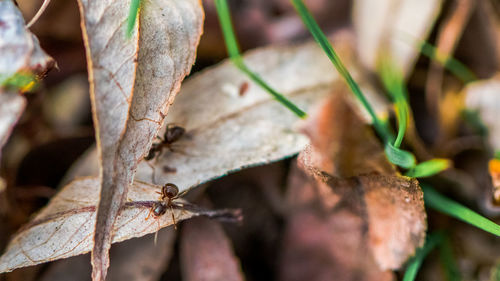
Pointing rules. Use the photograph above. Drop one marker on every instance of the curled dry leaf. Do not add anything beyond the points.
(353, 174)
(391, 27)
(65, 227)
(325, 241)
(206, 253)
(20, 51)
(132, 83)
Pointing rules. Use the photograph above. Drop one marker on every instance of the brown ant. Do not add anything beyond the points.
(168, 193)
(172, 134)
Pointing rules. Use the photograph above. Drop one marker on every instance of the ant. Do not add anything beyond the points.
(172, 134)
(168, 193)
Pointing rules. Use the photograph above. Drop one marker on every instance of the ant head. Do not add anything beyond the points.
(173, 133)
(170, 191)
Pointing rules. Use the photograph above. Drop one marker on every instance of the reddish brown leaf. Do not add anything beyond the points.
(206, 253)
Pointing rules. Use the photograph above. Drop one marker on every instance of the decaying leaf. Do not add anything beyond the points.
(20, 51)
(225, 131)
(206, 253)
(354, 175)
(324, 240)
(483, 97)
(133, 82)
(20, 54)
(65, 227)
(11, 108)
(133, 260)
(392, 26)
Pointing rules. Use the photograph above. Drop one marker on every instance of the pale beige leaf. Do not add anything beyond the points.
(226, 132)
(65, 227)
(11, 108)
(391, 27)
(207, 254)
(19, 48)
(484, 96)
(133, 82)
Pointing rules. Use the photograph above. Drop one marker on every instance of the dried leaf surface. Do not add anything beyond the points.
(483, 97)
(11, 108)
(65, 227)
(19, 48)
(133, 260)
(226, 131)
(325, 240)
(390, 27)
(133, 82)
(354, 175)
(206, 253)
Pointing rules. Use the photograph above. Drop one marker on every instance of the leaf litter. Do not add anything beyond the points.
(133, 82)
(65, 227)
(353, 181)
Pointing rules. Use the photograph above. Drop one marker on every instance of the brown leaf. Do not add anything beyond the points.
(65, 227)
(353, 174)
(133, 82)
(325, 240)
(206, 253)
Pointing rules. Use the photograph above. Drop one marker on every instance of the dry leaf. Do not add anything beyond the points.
(65, 227)
(19, 49)
(206, 253)
(391, 26)
(133, 82)
(226, 132)
(483, 97)
(322, 242)
(11, 108)
(354, 175)
(133, 260)
(20, 52)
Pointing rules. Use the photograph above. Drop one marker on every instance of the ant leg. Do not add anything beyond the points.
(173, 217)
(156, 233)
(149, 214)
(153, 177)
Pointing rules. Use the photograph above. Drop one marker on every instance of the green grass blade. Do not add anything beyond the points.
(447, 206)
(234, 53)
(448, 261)
(132, 16)
(394, 83)
(453, 65)
(322, 40)
(399, 157)
(415, 262)
(429, 168)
